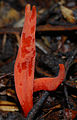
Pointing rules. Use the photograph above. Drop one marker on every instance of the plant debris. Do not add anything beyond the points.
(56, 43)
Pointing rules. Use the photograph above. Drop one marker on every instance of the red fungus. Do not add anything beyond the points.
(49, 84)
(25, 63)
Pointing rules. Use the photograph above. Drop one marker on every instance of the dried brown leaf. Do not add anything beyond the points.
(8, 106)
(8, 15)
(68, 14)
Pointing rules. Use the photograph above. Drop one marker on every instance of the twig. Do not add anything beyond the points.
(68, 103)
(11, 30)
(5, 75)
(37, 106)
(51, 109)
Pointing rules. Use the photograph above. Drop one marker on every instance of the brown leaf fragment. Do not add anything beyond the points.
(11, 93)
(8, 15)
(68, 14)
(8, 106)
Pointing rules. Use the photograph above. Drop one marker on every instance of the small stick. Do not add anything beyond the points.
(69, 62)
(4, 41)
(67, 100)
(37, 106)
(10, 30)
